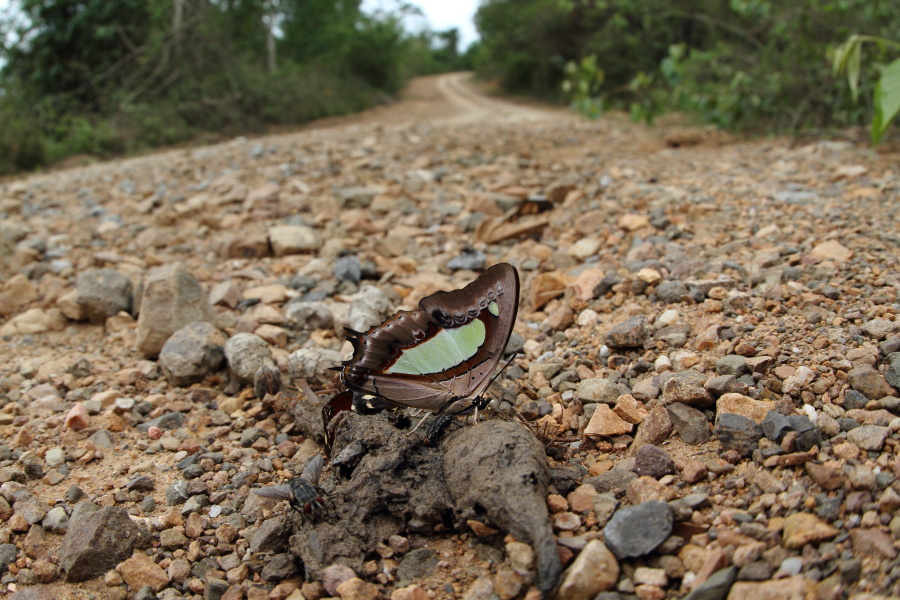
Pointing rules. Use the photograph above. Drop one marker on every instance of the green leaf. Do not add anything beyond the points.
(887, 100)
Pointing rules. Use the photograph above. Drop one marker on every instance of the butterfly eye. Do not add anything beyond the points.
(459, 317)
(482, 303)
(418, 335)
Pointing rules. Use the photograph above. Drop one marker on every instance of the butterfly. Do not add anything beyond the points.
(439, 357)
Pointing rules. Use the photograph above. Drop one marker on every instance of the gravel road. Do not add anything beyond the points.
(708, 351)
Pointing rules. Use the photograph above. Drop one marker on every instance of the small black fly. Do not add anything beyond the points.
(301, 492)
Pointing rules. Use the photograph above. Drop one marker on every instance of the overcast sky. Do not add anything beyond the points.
(441, 14)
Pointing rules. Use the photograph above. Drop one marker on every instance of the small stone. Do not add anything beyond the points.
(653, 461)
(873, 542)
(103, 293)
(655, 429)
(831, 250)
(738, 404)
(172, 299)
(739, 433)
(606, 423)
(828, 478)
(638, 530)
(293, 239)
(357, 589)
(521, 557)
(869, 437)
(804, 528)
(411, 592)
(192, 353)
(630, 334)
(732, 364)
(597, 390)
(96, 540)
(687, 387)
(690, 423)
(140, 570)
(867, 380)
(693, 471)
(593, 571)
(77, 418)
(715, 587)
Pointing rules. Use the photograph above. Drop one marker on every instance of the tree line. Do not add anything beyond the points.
(106, 77)
(759, 65)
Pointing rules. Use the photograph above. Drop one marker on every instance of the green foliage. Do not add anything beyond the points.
(848, 58)
(746, 64)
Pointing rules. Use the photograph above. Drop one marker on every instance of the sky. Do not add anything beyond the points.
(440, 15)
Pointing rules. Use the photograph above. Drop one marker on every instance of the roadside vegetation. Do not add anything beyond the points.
(751, 65)
(111, 77)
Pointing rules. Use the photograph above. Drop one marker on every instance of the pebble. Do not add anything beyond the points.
(736, 432)
(869, 437)
(638, 530)
(690, 423)
(594, 570)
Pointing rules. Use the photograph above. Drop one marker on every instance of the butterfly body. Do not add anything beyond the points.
(439, 357)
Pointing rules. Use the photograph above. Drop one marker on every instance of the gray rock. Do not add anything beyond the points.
(736, 432)
(616, 479)
(270, 537)
(250, 360)
(775, 426)
(416, 565)
(141, 483)
(638, 530)
(690, 423)
(733, 364)
(722, 384)
(597, 390)
(308, 316)
(215, 588)
(687, 387)
(879, 328)
(807, 434)
(890, 345)
(103, 293)
(867, 380)
(609, 280)
(869, 437)
(56, 520)
(892, 373)
(654, 429)
(653, 461)
(192, 353)
(172, 298)
(279, 567)
(630, 334)
(97, 540)
(716, 587)
(348, 268)
(29, 507)
(469, 258)
(854, 399)
(671, 291)
(171, 420)
(7, 555)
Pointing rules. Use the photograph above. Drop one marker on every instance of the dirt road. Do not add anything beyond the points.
(707, 333)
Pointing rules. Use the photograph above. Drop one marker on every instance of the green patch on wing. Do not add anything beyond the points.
(447, 349)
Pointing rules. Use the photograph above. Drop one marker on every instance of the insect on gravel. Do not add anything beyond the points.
(301, 492)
